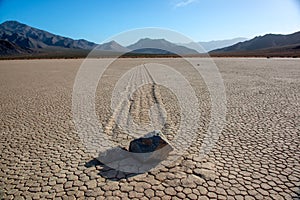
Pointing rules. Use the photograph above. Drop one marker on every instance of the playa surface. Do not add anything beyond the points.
(256, 156)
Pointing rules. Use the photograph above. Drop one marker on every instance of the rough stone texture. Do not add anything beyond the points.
(149, 148)
(256, 156)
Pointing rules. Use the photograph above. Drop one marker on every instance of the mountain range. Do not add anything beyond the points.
(29, 37)
(203, 47)
(159, 46)
(21, 40)
(269, 45)
(9, 48)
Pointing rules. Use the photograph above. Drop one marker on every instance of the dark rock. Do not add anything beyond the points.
(146, 145)
(144, 154)
(151, 147)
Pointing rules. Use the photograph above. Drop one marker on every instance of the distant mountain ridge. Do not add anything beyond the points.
(159, 46)
(20, 39)
(33, 38)
(203, 47)
(23, 38)
(216, 44)
(268, 42)
(112, 46)
(7, 48)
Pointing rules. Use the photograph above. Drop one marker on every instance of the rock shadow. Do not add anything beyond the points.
(108, 172)
(144, 154)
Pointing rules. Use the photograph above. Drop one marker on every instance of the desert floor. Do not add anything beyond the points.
(256, 156)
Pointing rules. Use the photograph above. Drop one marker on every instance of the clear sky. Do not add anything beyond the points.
(201, 20)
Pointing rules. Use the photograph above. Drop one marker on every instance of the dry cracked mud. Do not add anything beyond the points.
(256, 156)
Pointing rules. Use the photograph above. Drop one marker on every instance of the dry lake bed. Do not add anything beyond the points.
(256, 155)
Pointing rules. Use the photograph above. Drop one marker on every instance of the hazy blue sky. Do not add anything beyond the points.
(201, 20)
